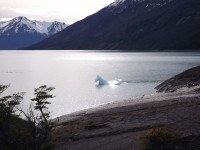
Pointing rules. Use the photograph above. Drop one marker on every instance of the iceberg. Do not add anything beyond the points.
(100, 81)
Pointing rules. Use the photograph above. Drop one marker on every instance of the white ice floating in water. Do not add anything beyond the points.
(100, 81)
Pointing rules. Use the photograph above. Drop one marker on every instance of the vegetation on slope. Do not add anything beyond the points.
(33, 133)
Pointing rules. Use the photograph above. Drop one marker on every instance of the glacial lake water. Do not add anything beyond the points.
(73, 73)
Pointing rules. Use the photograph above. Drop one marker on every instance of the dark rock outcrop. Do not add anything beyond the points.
(188, 78)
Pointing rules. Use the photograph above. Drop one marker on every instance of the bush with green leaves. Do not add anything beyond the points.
(32, 133)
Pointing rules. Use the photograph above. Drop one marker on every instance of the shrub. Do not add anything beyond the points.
(159, 139)
(32, 133)
(9, 120)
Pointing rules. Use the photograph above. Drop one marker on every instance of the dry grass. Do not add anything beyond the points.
(159, 139)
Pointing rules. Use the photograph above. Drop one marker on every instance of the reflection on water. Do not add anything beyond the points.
(74, 73)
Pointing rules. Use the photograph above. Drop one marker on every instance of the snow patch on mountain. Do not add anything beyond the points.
(119, 2)
(155, 3)
(3, 24)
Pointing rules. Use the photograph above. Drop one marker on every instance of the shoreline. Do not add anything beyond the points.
(108, 51)
(93, 128)
(135, 101)
(121, 125)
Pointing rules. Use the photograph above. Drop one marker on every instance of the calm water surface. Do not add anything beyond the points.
(73, 75)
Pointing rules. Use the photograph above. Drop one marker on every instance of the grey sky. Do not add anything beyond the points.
(68, 11)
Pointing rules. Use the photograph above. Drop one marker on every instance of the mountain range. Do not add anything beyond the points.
(20, 32)
(133, 25)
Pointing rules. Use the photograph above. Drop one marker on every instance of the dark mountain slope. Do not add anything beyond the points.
(134, 25)
(14, 41)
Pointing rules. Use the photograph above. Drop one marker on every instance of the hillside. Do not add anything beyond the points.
(133, 25)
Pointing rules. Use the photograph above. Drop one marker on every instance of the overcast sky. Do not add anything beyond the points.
(67, 11)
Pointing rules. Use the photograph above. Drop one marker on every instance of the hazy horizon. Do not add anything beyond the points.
(68, 11)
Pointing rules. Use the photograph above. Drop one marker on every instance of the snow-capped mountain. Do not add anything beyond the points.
(24, 25)
(55, 27)
(133, 25)
(21, 31)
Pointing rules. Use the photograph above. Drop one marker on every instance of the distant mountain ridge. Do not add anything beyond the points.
(21, 32)
(133, 25)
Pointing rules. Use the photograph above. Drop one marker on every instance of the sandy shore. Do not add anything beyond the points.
(120, 125)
